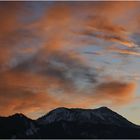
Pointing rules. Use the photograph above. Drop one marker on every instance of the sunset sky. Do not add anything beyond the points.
(71, 54)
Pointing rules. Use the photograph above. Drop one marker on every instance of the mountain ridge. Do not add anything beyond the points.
(97, 111)
(70, 123)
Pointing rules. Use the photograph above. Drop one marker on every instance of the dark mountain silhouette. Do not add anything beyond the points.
(70, 123)
(15, 125)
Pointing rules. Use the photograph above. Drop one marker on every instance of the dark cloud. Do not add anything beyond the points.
(65, 67)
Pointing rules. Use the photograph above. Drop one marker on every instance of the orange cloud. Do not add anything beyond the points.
(8, 14)
(117, 92)
(124, 51)
(111, 37)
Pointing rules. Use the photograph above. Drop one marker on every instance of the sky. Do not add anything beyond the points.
(70, 54)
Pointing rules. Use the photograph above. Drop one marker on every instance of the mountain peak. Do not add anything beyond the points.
(18, 115)
(103, 108)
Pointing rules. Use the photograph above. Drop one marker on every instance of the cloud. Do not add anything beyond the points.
(32, 93)
(117, 92)
(22, 100)
(40, 68)
(125, 52)
(8, 21)
(112, 38)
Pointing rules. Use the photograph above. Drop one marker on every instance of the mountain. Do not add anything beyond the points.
(70, 123)
(15, 125)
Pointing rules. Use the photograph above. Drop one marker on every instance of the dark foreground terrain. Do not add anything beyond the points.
(70, 123)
